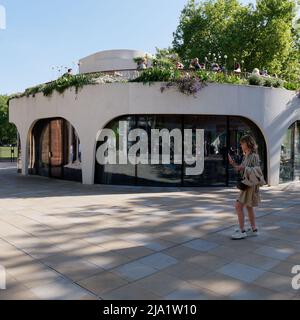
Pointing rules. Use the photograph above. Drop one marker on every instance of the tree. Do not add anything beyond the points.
(265, 36)
(208, 27)
(275, 34)
(8, 132)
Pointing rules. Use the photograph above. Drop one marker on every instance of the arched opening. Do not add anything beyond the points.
(221, 136)
(54, 150)
(290, 154)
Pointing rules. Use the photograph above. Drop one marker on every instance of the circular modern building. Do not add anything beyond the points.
(61, 135)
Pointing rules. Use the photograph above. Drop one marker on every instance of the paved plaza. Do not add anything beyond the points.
(64, 240)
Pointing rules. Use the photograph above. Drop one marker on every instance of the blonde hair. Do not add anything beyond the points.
(250, 142)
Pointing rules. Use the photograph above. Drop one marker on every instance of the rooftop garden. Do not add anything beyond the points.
(167, 67)
(188, 81)
(67, 81)
(216, 41)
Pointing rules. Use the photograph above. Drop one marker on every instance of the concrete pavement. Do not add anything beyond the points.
(63, 240)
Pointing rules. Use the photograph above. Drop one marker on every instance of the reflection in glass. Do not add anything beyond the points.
(19, 159)
(49, 150)
(161, 174)
(215, 150)
(222, 136)
(287, 156)
(297, 151)
(72, 170)
(238, 127)
(117, 174)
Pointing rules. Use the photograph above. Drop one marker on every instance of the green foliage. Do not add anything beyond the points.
(68, 81)
(33, 91)
(234, 79)
(61, 85)
(5, 152)
(265, 36)
(224, 78)
(269, 82)
(162, 63)
(256, 80)
(292, 86)
(207, 28)
(8, 132)
(190, 82)
(48, 89)
(165, 58)
(203, 75)
(157, 74)
(278, 83)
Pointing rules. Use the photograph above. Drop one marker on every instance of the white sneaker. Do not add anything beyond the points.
(251, 233)
(239, 235)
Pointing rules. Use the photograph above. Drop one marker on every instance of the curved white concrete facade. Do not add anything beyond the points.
(272, 110)
(110, 60)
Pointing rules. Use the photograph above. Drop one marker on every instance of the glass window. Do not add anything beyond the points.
(49, 150)
(160, 174)
(221, 136)
(118, 174)
(290, 154)
(238, 127)
(215, 150)
(19, 160)
(73, 169)
(287, 156)
(297, 151)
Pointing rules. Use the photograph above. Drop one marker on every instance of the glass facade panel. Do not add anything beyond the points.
(290, 154)
(287, 156)
(50, 150)
(221, 136)
(119, 174)
(19, 160)
(160, 174)
(215, 150)
(238, 127)
(297, 151)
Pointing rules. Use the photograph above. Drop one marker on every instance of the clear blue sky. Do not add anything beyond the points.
(43, 34)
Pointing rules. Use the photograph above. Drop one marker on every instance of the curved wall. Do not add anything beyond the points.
(110, 60)
(272, 110)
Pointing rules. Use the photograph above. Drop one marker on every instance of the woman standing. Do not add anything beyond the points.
(249, 197)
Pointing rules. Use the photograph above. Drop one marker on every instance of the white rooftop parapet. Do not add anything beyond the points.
(109, 61)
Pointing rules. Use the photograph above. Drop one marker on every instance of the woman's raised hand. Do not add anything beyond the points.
(231, 161)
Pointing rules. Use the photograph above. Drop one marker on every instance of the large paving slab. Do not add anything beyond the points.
(63, 240)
